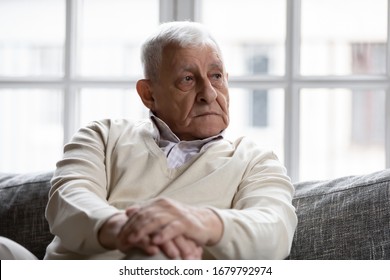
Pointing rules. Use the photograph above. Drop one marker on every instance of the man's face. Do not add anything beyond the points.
(191, 94)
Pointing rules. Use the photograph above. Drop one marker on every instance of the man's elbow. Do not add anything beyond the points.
(278, 244)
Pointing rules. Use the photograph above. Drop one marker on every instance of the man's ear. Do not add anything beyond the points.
(144, 90)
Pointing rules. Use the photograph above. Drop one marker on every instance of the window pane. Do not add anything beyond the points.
(259, 115)
(32, 37)
(31, 129)
(97, 104)
(342, 132)
(253, 40)
(349, 39)
(111, 33)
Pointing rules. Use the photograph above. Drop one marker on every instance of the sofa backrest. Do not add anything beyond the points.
(345, 218)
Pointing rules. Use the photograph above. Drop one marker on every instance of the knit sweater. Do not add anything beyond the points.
(112, 164)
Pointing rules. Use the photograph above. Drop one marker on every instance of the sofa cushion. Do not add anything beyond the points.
(23, 200)
(345, 218)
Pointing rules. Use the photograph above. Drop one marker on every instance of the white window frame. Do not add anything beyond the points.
(292, 82)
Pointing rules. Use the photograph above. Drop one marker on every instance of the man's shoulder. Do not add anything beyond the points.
(111, 129)
(121, 124)
(251, 148)
(245, 142)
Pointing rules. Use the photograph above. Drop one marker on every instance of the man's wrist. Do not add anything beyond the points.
(109, 231)
(215, 226)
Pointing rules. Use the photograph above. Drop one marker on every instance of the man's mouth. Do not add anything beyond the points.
(207, 114)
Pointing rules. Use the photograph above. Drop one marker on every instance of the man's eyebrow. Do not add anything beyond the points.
(193, 67)
(187, 67)
(216, 65)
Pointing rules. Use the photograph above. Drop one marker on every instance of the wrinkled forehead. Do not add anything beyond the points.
(176, 51)
(203, 43)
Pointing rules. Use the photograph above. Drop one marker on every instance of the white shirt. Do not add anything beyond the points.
(179, 152)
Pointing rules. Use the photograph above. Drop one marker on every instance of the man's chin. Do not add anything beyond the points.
(209, 132)
(201, 129)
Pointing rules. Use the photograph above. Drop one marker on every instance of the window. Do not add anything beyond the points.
(31, 116)
(32, 38)
(109, 35)
(330, 74)
(347, 131)
(31, 128)
(312, 89)
(63, 64)
(337, 133)
(333, 42)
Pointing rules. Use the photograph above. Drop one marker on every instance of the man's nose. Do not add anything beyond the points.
(206, 92)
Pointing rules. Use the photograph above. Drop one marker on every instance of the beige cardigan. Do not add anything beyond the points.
(110, 165)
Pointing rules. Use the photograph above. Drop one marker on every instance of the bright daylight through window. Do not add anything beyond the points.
(314, 90)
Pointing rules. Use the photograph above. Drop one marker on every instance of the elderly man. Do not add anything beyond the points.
(171, 186)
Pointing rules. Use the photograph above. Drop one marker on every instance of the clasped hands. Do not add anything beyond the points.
(163, 225)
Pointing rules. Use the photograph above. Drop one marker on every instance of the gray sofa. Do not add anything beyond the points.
(345, 218)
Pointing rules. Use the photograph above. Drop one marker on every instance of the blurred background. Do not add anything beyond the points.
(308, 79)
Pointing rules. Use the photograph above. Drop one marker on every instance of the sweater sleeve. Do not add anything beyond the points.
(262, 220)
(77, 205)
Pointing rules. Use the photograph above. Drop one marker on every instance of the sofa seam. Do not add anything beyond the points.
(345, 189)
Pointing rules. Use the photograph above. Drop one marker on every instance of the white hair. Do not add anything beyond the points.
(181, 33)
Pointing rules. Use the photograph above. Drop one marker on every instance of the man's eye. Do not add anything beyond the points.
(188, 79)
(217, 76)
